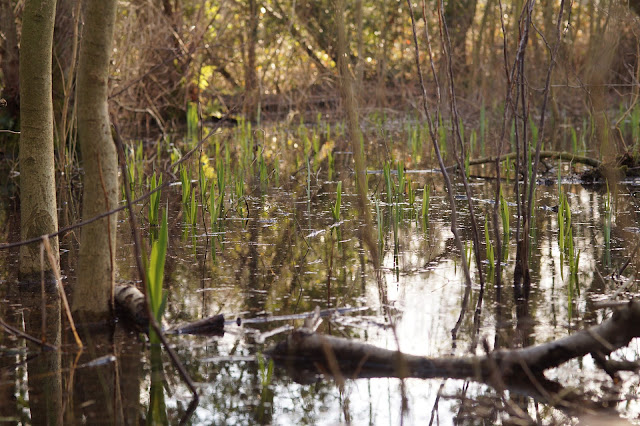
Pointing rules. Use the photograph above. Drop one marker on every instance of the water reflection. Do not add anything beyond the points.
(282, 258)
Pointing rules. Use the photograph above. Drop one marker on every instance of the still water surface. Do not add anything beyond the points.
(278, 254)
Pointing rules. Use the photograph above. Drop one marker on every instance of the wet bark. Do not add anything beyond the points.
(38, 212)
(93, 290)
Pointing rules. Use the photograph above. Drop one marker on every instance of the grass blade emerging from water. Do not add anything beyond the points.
(155, 274)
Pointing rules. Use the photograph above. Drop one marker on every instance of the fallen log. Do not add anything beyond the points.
(341, 357)
(558, 155)
(130, 303)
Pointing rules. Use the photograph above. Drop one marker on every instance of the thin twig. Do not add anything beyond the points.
(63, 296)
(25, 336)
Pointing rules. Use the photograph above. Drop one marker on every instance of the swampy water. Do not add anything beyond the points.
(279, 252)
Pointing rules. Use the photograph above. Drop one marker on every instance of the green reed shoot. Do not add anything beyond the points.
(276, 172)
(202, 178)
(265, 370)
(192, 122)
(216, 207)
(185, 179)
(426, 195)
(607, 226)
(315, 142)
(504, 215)
(335, 212)
(264, 174)
(380, 222)
(467, 157)
(239, 187)
(154, 199)
(191, 213)
(490, 250)
(388, 182)
(155, 275)
(217, 210)
(335, 209)
(396, 216)
(331, 165)
(135, 167)
(574, 140)
(401, 181)
(411, 194)
(561, 234)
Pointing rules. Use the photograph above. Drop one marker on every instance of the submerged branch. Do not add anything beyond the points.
(559, 155)
(343, 357)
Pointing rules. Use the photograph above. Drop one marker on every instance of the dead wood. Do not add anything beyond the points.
(558, 155)
(343, 357)
(131, 303)
(625, 165)
(211, 326)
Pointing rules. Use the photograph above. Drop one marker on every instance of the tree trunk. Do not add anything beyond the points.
(38, 212)
(459, 17)
(94, 288)
(251, 92)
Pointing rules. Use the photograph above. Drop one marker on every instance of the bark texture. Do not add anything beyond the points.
(38, 214)
(93, 291)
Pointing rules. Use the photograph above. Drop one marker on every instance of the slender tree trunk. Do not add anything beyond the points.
(94, 288)
(252, 94)
(38, 213)
(459, 15)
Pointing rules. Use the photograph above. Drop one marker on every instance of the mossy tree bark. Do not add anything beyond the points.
(38, 213)
(96, 265)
